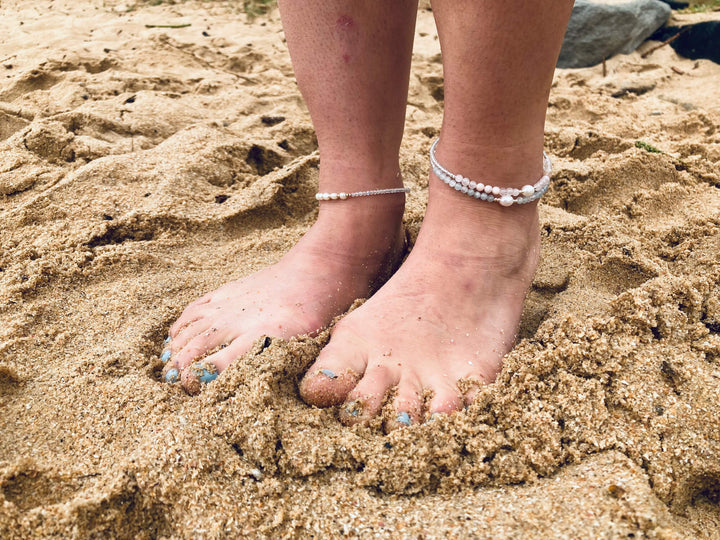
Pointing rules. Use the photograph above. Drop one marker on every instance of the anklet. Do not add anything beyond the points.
(486, 192)
(343, 196)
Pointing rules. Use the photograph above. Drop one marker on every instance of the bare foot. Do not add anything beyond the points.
(451, 312)
(352, 248)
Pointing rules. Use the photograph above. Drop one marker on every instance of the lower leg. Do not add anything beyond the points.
(451, 312)
(351, 60)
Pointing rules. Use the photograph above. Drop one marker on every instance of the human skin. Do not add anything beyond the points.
(451, 312)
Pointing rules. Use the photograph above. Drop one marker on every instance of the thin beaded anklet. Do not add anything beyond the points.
(343, 196)
(486, 192)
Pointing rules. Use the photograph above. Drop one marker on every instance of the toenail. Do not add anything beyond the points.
(404, 418)
(172, 375)
(168, 340)
(328, 373)
(165, 356)
(353, 408)
(204, 375)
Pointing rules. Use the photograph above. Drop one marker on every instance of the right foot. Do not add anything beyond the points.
(354, 246)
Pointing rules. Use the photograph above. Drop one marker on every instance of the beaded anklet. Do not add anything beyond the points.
(486, 192)
(343, 196)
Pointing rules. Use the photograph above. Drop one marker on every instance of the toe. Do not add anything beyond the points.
(407, 404)
(198, 346)
(336, 372)
(446, 399)
(197, 375)
(366, 399)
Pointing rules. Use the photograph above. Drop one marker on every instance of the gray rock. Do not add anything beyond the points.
(599, 29)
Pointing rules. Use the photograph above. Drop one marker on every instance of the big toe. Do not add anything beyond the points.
(333, 376)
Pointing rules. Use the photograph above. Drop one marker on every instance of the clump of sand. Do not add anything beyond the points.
(141, 167)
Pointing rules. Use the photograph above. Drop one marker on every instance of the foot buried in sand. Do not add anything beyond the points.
(441, 325)
(346, 255)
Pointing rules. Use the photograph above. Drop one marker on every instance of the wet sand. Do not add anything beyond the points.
(141, 167)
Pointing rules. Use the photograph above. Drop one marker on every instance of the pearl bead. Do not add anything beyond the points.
(480, 186)
(452, 183)
(464, 189)
(343, 196)
(326, 196)
(318, 196)
(515, 192)
(465, 182)
(483, 196)
(488, 189)
(506, 200)
(478, 195)
(528, 190)
(496, 190)
(333, 196)
(458, 187)
(472, 185)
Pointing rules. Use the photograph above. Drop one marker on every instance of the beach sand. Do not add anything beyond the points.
(142, 167)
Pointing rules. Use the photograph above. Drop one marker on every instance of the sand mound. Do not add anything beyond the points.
(141, 167)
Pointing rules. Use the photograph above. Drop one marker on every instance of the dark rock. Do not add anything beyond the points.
(695, 41)
(676, 5)
(599, 29)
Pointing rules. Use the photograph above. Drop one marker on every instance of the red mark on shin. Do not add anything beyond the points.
(346, 57)
(344, 21)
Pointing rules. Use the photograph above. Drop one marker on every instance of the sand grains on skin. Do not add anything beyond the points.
(141, 166)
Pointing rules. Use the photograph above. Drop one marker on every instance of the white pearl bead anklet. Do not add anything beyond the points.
(343, 196)
(486, 192)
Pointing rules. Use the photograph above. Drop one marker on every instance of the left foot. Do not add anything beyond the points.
(451, 312)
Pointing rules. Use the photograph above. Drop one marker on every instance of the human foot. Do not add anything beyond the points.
(352, 248)
(450, 313)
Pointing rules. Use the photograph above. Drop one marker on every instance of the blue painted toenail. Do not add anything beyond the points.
(168, 340)
(353, 408)
(165, 356)
(404, 418)
(328, 373)
(208, 376)
(172, 375)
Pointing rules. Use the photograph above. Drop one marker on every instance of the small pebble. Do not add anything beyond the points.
(257, 474)
(172, 375)
(328, 373)
(165, 356)
(404, 418)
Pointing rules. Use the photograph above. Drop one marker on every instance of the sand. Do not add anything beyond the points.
(141, 167)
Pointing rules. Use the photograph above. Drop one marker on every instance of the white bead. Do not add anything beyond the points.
(483, 196)
(334, 196)
(326, 196)
(496, 190)
(506, 200)
(488, 189)
(515, 192)
(458, 187)
(452, 183)
(472, 185)
(478, 194)
(342, 195)
(318, 196)
(464, 189)
(466, 182)
(528, 190)
(471, 192)
(480, 186)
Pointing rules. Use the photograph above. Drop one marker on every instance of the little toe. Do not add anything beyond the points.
(197, 375)
(366, 400)
(331, 378)
(407, 405)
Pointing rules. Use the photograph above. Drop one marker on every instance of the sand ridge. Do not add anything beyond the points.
(141, 167)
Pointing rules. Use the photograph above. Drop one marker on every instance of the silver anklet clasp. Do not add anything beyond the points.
(343, 195)
(486, 192)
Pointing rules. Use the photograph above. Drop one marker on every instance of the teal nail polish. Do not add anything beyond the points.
(172, 375)
(208, 376)
(328, 373)
(352, 408)
(165, 356)
(404, 418)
